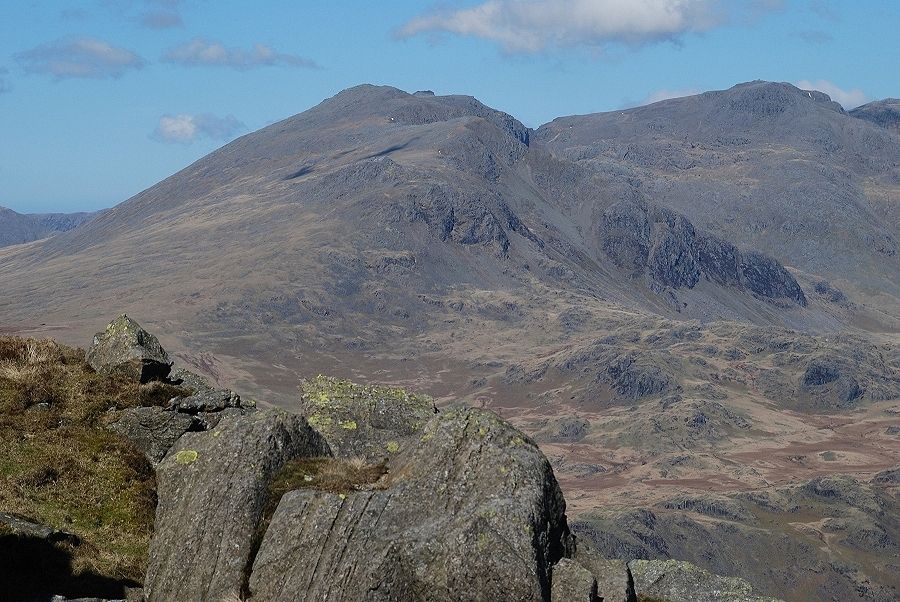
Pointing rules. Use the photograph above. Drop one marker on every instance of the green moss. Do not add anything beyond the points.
(393, 447)
(349, 425)
(328, 474)
(484, 542)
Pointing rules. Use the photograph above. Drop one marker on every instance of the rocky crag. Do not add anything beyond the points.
(387, 499)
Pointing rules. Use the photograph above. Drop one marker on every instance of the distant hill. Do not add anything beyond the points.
(885, 113)
(17, 228)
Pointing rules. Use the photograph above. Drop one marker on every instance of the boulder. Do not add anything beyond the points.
(127, 348)
(363, 421)
(212, 488)
(573, 583)
(469, 511)
(614, 583)
(153, 430)
(676, 580)
(209, 400)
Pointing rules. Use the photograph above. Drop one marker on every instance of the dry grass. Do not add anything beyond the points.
(62, 468)
(327, 474)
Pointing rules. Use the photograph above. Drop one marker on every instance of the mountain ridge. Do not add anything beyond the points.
(20, 228)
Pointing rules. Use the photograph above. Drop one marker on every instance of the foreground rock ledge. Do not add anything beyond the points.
(472, 512)
(212, 488)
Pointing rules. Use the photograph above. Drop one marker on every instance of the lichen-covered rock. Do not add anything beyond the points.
(613, 579)
(470, 512)
(361, 420)
(211, 400)
(127, 348)
(153, 430)
(212, 488)
(573, 583)
(678, 581)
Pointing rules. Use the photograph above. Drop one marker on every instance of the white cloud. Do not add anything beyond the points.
(79, 57)
(200, 52)
(534, 25)
(185, 128)
(849, 99)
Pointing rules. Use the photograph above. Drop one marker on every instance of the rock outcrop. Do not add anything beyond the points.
(643, 239)
(674, 580)
(364, 421)
(127, 348)
(212, 489)
(16, 525)
(471, 512)
(154, 429)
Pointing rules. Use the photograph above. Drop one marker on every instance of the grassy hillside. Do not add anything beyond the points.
(63, 469)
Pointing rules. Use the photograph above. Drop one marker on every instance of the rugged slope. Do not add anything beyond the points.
(784, 170)
(16, 228)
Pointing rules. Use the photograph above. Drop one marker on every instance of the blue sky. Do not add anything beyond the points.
(100, 99)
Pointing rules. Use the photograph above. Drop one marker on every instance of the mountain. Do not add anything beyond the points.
(695, 298)
(16, 228)
(766, 165)
(885, 113)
